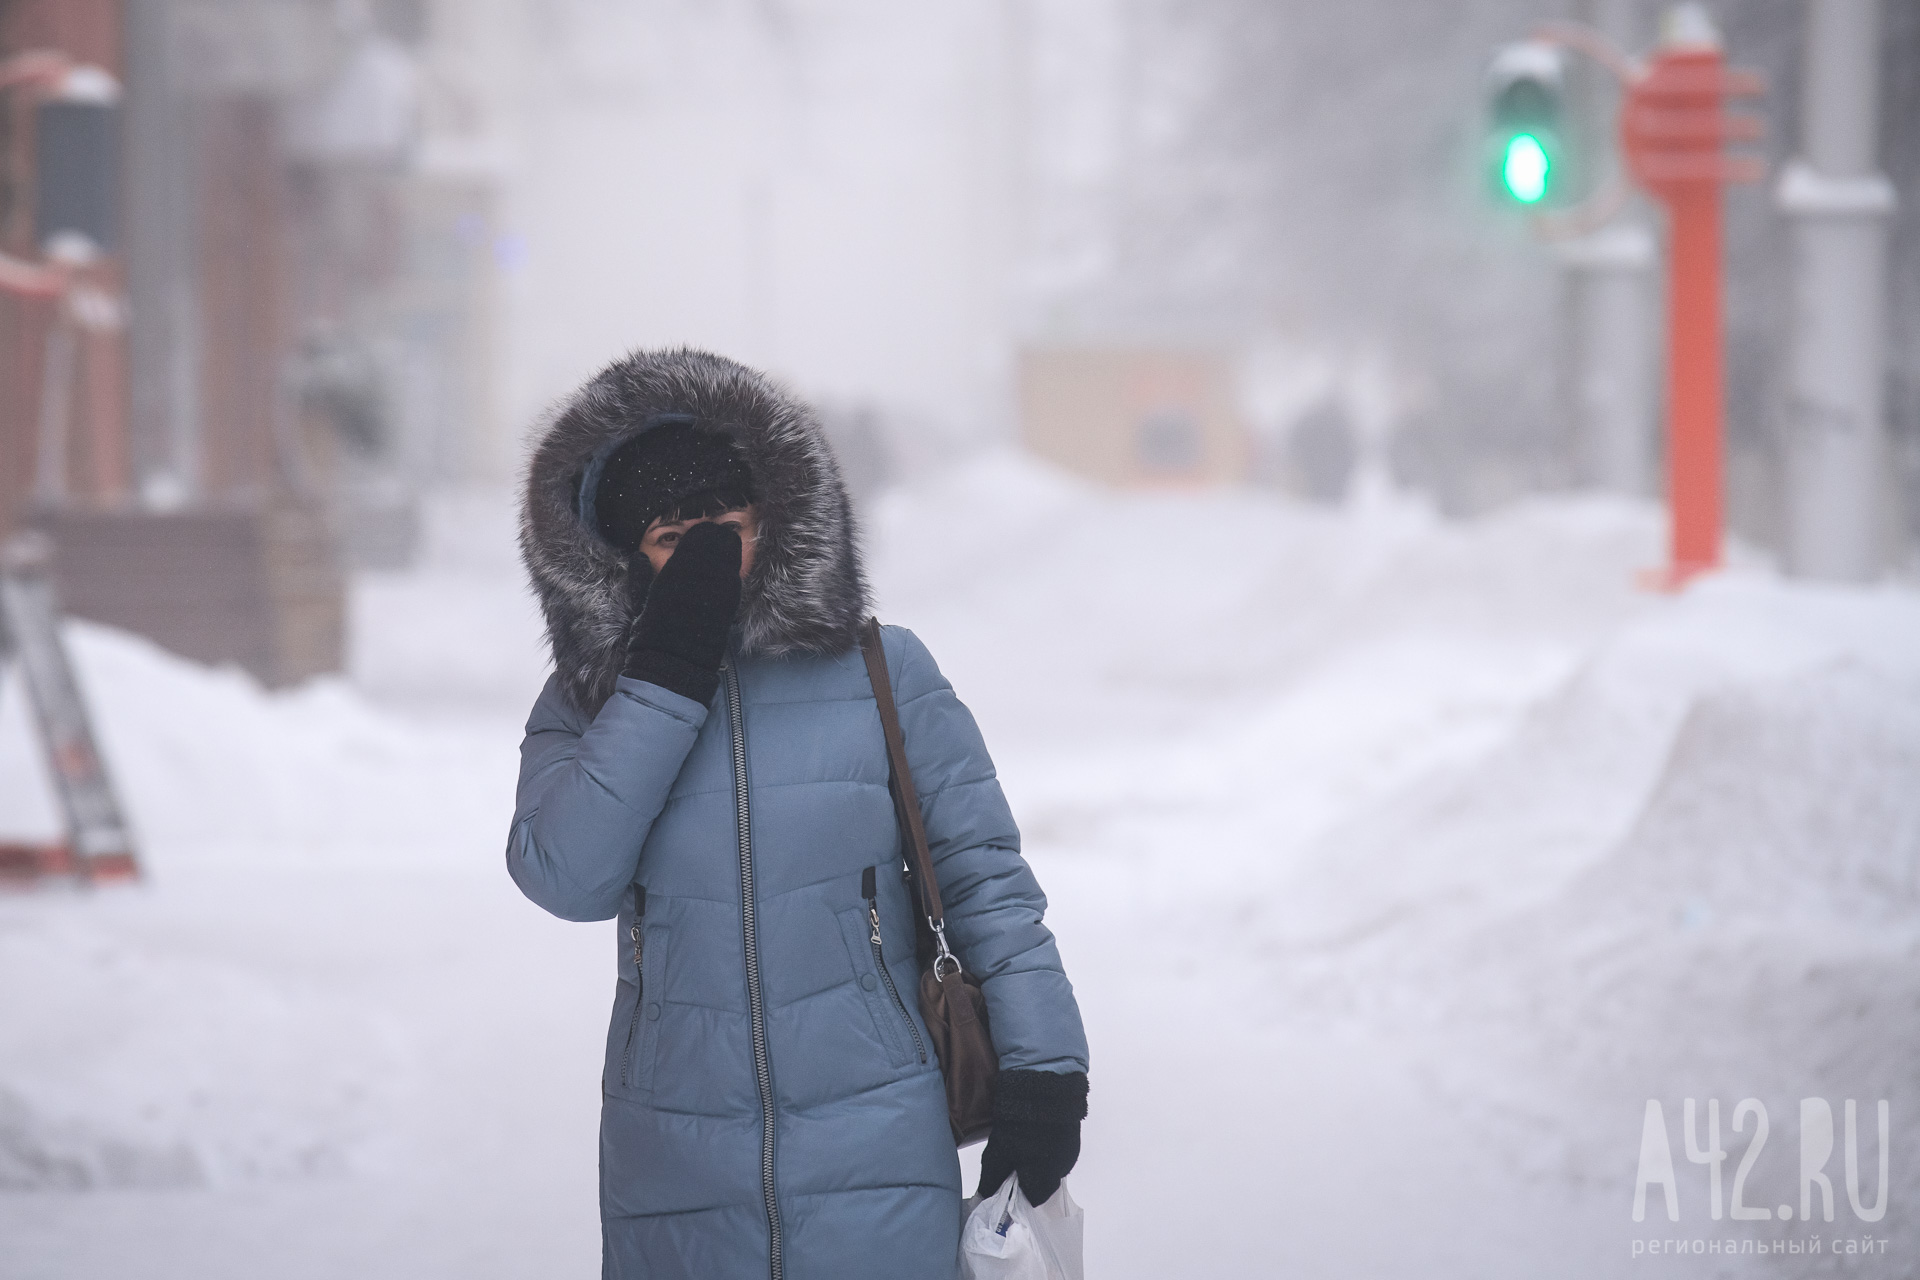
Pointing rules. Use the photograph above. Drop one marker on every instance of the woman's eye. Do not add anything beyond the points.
(668, 539)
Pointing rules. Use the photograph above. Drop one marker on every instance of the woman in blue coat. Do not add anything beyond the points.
(706, 765)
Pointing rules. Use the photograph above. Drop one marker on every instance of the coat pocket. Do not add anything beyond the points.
(885, 1003)
(643, 1026)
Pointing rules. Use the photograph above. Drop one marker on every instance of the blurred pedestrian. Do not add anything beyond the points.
(707, 765)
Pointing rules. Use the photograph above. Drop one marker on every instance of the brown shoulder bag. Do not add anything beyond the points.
(951, 1001)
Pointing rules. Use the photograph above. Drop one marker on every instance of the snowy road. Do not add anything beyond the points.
(1397, 863)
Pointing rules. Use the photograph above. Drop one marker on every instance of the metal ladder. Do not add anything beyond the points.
(98, 846)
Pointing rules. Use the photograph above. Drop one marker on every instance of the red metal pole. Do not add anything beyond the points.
(1674, 130)
(1695, 382)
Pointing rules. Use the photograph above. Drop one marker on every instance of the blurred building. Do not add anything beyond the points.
(305, 264)
(1134, 415)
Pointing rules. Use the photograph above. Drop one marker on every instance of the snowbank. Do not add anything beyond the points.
(213, 768)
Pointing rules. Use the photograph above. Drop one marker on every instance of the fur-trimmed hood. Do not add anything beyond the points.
(806, 592)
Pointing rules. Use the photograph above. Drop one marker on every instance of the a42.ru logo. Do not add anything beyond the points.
(1816, 1150)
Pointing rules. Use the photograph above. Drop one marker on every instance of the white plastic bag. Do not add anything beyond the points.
(1005, 1238)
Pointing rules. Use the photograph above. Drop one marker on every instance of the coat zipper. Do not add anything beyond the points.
(872, 896)
(762, 1064)
(639, 981)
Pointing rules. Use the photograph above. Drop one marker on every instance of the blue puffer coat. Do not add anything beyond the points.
(771, 1101)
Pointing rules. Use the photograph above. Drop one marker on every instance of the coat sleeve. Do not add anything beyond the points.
(994, 908)
(589, 793)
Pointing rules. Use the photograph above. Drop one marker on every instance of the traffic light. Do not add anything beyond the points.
(1524, 93)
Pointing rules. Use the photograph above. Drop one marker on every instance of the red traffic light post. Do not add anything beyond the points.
(1674, 130)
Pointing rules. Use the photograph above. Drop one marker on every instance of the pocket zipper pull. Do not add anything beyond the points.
(868, 892)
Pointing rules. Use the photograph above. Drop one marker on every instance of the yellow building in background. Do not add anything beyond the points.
(1134, 415)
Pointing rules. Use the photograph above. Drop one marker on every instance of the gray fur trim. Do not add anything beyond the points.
(806, 592)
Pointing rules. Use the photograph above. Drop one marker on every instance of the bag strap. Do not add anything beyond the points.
(906, 800)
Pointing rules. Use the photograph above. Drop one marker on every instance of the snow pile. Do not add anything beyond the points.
(213, 768)
(140, 1051)
(1431, 848)
(126, 1066)
(199, 1031)
(1712, 728)
(1752, 935)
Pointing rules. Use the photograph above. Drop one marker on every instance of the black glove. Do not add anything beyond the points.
(680, 637)
(1036, 1131)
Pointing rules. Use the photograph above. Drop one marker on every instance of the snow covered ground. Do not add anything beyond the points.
(1398, 862)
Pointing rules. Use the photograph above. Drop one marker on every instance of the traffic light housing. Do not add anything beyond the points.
(1525, 148)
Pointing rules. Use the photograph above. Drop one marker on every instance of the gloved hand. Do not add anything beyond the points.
(1036, 1131)
(680, 637)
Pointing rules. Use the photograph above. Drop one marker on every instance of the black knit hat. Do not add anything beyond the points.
(665, 469)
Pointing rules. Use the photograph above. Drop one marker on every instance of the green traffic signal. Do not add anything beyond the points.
(1525, 115)
(1525, 169)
